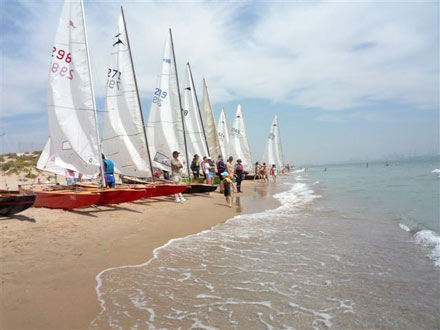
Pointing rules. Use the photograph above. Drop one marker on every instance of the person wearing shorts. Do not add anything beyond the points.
(228, 186)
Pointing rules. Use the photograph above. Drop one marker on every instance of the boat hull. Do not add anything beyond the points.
(13, 202)
(199, 188)
(118, 196)
(168, 189)
(65, 200)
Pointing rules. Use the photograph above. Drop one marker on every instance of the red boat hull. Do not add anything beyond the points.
(117, 196)
(168, 189)
(65, 200)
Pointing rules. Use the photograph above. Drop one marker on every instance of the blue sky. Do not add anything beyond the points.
(348, 80)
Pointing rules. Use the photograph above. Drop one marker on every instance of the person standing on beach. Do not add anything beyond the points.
(257, 171)
(195, 167)
(202, 166)
(221, 167)
(230, 166)
(274, 173)
(176, 173)
(239, 174)
(228, 187)
(109, 172)
(209, 172)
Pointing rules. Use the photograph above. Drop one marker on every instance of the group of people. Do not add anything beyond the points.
(231, 175)
(262, 172)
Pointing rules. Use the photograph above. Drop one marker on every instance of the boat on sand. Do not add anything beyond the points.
(12, 202)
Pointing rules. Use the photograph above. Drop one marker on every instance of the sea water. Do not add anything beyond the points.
(349, 247)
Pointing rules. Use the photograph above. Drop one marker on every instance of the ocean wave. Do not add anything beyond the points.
(436, 171)
(299, 194)
(430, 239)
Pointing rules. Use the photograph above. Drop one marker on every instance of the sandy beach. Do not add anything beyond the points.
(50, 258)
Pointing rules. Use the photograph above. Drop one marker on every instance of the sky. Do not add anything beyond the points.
(349, 80)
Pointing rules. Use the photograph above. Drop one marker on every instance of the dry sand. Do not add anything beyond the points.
(49, 258)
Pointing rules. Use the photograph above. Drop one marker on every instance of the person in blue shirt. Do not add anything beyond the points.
(109, 172)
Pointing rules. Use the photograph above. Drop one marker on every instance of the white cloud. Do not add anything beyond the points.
(327, 55)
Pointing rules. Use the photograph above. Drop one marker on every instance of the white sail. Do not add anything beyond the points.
(164, 128)
(209, 124)
(194, 131)
(273, 152)
(223, 134)
(71, 106)
(238, 142)
(124, 141)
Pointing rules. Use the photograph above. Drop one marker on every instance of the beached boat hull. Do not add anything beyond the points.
(118, 196)
(65, 199)
(12, 202)
(168, 189)
(197, 188)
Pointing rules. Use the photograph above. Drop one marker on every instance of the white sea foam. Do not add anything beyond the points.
(299, 194)
(429, 239)
(436, 171)
(404, 227)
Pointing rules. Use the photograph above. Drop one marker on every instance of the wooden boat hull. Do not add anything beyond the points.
(197, 188)
(118, 196)
(65, 199)
(12, 202)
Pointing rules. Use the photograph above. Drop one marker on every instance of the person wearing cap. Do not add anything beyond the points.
(195, 167)
(228, 186)
(176, 173)
(238, 171)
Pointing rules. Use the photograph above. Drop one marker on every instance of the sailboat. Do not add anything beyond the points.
(223, 133)
(238, 142)
(124, 136)
(273, 152)
(208, 121)
(193, 125)
(167, 129)
(74, 138)
(165, 123)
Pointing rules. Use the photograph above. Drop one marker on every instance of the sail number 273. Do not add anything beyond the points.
(57, 67)
(159, 96)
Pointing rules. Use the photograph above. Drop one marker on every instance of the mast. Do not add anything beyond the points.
(101, 163)
(180, 105)
(198, 107)
(137, 94)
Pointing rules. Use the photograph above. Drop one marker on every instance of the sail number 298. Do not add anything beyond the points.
(58, 68)
(159, 96)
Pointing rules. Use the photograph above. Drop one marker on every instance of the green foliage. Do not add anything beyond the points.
(6, 166)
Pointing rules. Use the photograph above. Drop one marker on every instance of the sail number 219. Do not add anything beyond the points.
(159, 96)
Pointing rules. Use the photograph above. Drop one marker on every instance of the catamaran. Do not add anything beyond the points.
(238, 142)
(273, 153)
(223, 134)
(74, 138)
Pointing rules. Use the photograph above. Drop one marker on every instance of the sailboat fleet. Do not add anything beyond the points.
(176, 120)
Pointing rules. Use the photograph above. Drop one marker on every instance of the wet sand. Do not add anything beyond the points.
(50, 258)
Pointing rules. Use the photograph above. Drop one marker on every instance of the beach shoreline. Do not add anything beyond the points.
(50, 258)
